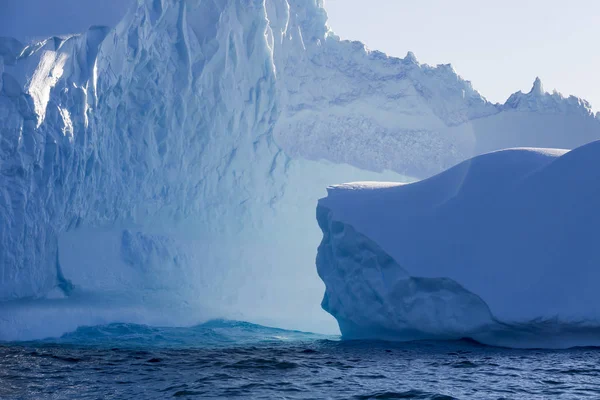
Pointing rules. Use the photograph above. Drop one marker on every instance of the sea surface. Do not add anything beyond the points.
(225, 359)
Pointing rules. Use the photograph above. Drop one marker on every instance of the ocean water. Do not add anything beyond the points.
(225, 359)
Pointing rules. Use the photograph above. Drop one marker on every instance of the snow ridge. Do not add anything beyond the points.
(538, 100)
(386, 113)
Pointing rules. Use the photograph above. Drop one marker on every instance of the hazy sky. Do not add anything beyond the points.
(501, 46)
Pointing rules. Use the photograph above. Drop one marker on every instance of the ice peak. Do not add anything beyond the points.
(538, 87)
(411, 58)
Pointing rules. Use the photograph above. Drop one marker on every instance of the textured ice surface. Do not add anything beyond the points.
(176, 159)
(514, 229)
(372, 297)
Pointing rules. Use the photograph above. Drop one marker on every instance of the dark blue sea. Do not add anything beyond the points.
(223, 359)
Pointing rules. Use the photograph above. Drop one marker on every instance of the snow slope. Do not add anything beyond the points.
(175, 159)
(513, 230)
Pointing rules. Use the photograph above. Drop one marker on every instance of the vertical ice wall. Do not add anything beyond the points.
(158, 121)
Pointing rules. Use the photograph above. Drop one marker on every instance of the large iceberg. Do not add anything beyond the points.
(501, 248)
(173, 162)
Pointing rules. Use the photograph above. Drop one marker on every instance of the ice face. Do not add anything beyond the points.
(178, 156)
(372, 297)
(515, 228)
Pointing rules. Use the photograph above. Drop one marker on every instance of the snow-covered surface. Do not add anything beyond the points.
(177, 157)
(514, 230)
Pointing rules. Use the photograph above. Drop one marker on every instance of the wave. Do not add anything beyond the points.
(214, 333)
(221, 333)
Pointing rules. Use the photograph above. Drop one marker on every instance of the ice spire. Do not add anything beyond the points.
(411, 58)
(538, 88)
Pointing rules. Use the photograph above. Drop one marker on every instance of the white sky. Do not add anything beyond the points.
(499, 45)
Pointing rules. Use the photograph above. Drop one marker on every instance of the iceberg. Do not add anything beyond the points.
(500, 248)
(173, 161)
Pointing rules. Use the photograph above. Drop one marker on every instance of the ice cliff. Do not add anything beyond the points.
(500, 248)
(176, 158)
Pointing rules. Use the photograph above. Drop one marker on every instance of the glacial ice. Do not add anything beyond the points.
(174, 160)
(504, 245)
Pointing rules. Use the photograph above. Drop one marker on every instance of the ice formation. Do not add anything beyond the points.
(176, 158)
(500, 248)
